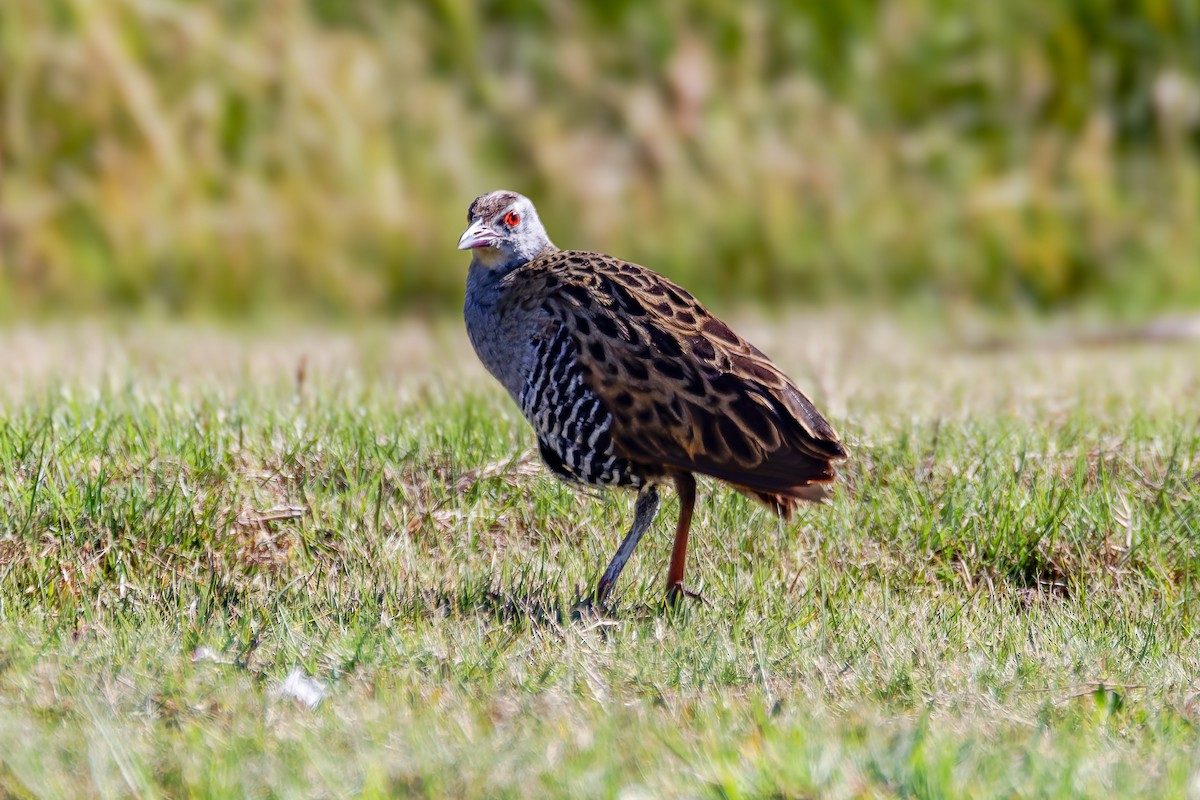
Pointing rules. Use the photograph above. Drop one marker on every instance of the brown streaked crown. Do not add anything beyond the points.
(487, 206)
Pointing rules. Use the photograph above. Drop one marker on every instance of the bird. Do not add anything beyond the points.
(628, 381)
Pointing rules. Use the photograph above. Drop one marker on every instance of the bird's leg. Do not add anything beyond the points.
(685, 486)
(643, 514)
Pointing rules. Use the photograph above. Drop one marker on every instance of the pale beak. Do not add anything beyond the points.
(478, 235)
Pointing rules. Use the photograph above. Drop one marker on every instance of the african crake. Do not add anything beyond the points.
(628, 381)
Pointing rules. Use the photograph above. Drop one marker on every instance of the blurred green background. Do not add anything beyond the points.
(317, 157)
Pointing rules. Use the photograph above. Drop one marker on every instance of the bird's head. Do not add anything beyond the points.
(503, 230)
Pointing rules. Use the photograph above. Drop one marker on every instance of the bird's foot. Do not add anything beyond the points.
(589, 605)
(676, 592)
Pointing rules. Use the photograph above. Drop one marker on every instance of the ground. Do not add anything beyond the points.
(327, 563)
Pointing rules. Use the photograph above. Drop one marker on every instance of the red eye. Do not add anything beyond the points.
(512, 219)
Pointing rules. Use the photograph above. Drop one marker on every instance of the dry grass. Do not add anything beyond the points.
(238, 158)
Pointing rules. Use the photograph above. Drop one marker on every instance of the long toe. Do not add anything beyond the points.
(600, 596)
(677, 592)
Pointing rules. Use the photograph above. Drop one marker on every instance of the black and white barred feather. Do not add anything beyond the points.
(573, 425)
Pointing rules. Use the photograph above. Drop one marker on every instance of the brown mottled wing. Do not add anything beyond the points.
(685, 391)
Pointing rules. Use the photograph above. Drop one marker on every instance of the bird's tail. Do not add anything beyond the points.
(784, 503)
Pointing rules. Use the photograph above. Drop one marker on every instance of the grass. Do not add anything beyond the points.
(1002, 600)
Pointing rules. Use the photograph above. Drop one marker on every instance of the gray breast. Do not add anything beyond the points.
(500, 330)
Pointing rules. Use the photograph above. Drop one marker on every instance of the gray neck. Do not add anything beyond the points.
(498, 338)
(490, 265)
(500, 335)
(483, 287)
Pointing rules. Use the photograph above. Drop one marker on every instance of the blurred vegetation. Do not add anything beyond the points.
(234, 157)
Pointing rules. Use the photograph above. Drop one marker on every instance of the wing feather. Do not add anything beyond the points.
(685, 390)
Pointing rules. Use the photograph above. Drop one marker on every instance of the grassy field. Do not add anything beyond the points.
(1002, 599)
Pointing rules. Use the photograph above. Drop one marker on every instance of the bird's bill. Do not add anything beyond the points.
(477, 235)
